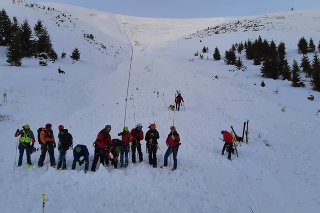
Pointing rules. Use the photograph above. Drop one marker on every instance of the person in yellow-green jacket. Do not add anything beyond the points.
(26, 142)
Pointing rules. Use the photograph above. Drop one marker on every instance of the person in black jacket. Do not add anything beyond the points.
(65, 143)
(152, 144)
(78, 152)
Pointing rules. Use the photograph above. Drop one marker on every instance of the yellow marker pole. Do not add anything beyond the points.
(43, 201)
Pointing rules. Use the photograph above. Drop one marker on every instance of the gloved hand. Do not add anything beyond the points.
(54, 145)
(151, 134)
(150, 140)
(81, 162)
(17, 131)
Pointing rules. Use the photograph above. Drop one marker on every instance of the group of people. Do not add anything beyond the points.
(106, 150)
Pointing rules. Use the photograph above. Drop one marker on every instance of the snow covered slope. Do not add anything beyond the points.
(276, 172)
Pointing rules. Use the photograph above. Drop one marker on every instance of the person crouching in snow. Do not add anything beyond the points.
(228, 141)
(114, 148)
(126, 140)
(78, 152)
(25, 140)
(173, 143)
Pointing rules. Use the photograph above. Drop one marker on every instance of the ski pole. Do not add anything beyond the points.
(15, 158)
(43, 201)
(170, 158)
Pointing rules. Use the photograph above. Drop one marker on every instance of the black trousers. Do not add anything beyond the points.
(178, 106)
(44, 148)
(230, 149)
(99, 153)
(153, 154)
(136, 146)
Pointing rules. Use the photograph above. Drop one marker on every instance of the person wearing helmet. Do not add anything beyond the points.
(125, 146)
(25, 140)
(114, 148)
(100, 147)
(48, 144)
(151, 139)
(137, 136)
(228, 141)
(78, 152)
(173, 143)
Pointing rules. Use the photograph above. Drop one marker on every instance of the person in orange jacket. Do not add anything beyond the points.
(25, 140)
(48, 143)
(228, 141)
(173, 143)
(125, 146)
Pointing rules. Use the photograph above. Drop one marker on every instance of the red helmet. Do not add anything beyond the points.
(60, 127)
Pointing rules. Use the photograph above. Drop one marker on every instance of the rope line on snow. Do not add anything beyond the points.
(125, 111)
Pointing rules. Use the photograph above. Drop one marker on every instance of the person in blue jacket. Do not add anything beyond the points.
(78, 152)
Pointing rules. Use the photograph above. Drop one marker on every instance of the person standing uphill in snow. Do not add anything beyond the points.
(64, 144)
(173, 143)
(26, 137)
(137, 135)
(100, 147)
(152, 136)
(47, 144)
(178, 101)
(228, 141)
(125, 146)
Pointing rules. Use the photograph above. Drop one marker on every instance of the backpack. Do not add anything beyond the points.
(39, 132)
(66, 139)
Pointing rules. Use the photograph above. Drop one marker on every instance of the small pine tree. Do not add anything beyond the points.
(204, 49)
(305, 66)
(216, 54)
(63, 54)
(14, 53)
(38, 28)
(230, 57)
(315, 80)
(282, 50)
(312, 46)
(75, 55)
(239, 63)
(26, 39)
(303, 46)
(5, 28)
(286, 71)
(240, 48)
(296, 82)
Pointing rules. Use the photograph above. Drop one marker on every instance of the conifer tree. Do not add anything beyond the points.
(38, 28)
(286, 71)
(26, 39)
(296, 82)
(312, 46)
(305, 66)
(5, 28)
(303, 46)
(239, 63)
(230, 57)
(75, 55)
(282, 50)
(204, 49)
(240, 48)
(14, 53)
(216, 54)
(315, 80)
(273, 53)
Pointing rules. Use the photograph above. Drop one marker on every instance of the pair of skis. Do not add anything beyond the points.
(245, 133)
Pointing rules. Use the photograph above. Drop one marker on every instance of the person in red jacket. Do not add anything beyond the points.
(125, 146)
(228, 141)
(137, 135)
(173, 143)
(100, 147)
(178, 101)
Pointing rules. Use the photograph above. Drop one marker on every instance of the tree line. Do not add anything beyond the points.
(272, 59)
(22, 42)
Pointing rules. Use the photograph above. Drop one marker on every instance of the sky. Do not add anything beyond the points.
(191, 8)
(277, 171)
